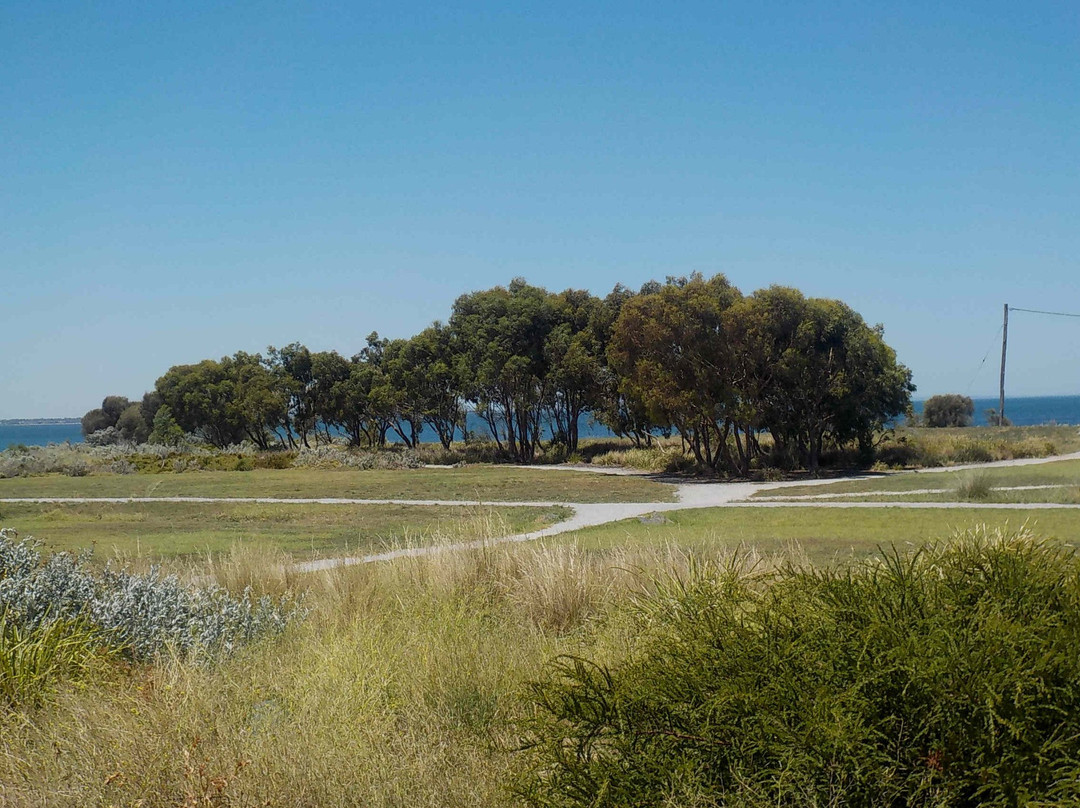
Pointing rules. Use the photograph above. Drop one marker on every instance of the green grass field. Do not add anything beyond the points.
(1061, 472)
(1065, 495)
(819, 535)
(167, 529)
(483, 483)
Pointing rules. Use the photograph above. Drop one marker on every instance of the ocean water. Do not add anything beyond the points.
(1021, 411)
(1030, 411)
(38, 434)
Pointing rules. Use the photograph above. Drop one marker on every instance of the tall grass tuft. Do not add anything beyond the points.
(975, 487)
(33, 660)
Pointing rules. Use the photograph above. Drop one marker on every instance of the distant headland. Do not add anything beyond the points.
(37, 421)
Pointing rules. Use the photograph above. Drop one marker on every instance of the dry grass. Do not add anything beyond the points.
(925, 448)
(399, 690)
(661, 458)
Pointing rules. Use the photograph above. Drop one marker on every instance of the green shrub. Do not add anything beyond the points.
(274, 460)
(944, 677)
(972, 451)
(951, 409)
(244, 463)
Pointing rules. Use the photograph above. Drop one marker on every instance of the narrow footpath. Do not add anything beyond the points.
(688, 495)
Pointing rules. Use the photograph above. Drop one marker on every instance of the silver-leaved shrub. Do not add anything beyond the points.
(141, 615)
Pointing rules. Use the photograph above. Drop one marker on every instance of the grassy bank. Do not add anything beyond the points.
(820, 535)
(481, 483)
(167, 529)
(1062, 472)
(399, 689)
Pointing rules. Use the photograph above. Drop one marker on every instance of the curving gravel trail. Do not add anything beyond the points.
(689, 495)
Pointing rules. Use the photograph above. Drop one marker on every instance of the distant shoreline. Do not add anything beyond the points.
(39, 421)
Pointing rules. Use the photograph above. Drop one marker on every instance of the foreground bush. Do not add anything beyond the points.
(137, 615)
(946, 677)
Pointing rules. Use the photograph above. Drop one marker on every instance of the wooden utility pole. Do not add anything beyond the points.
(1001, 389)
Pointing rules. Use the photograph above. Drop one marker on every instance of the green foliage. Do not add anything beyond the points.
(93, 421)
(166, 431)
(918, 447)
(950, 409)
(501, 334)
(947, 676)
(815, 372)
(672, 352)
(114, 406)
(119, 413)
(226, 401)
(132, 426)
(34, 659)
(691, 355)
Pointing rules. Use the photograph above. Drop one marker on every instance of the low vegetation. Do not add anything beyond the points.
(450, 680)
(943, 677)
(820, 536)
(913, 447)
(1060, 472)
(161, 530)
(472, 483)
(34, 659)
(61, 618)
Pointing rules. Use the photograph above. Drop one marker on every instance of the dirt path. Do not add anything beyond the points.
(688, 494)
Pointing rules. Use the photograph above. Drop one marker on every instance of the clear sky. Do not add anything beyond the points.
(182, 181)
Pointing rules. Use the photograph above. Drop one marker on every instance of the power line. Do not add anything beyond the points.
(1037, 311)
(983, 362)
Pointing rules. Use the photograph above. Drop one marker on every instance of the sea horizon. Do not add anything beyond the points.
(1020, 410)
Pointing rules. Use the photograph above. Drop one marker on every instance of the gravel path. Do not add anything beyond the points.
(688, 494)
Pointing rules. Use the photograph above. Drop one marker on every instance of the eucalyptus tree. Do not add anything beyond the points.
(671, 348)
(292, 368)
(362, 402)
(421, 371)
(329, 371)
(199, 396)
(258, 403)
(573, 353)
(225, 401)
(500, 335)
(625, 415)
(131, 425)
(403, 390)
(815, 372)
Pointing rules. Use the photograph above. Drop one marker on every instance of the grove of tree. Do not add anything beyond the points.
(690, 356)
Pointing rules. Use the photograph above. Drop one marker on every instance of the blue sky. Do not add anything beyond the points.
(181, 183)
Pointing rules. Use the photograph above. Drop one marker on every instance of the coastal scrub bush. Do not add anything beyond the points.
(948, 410)
(341, 457)
(137, 615)
(946, 676)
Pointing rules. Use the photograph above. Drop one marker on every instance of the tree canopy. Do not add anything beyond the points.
(691, 356)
